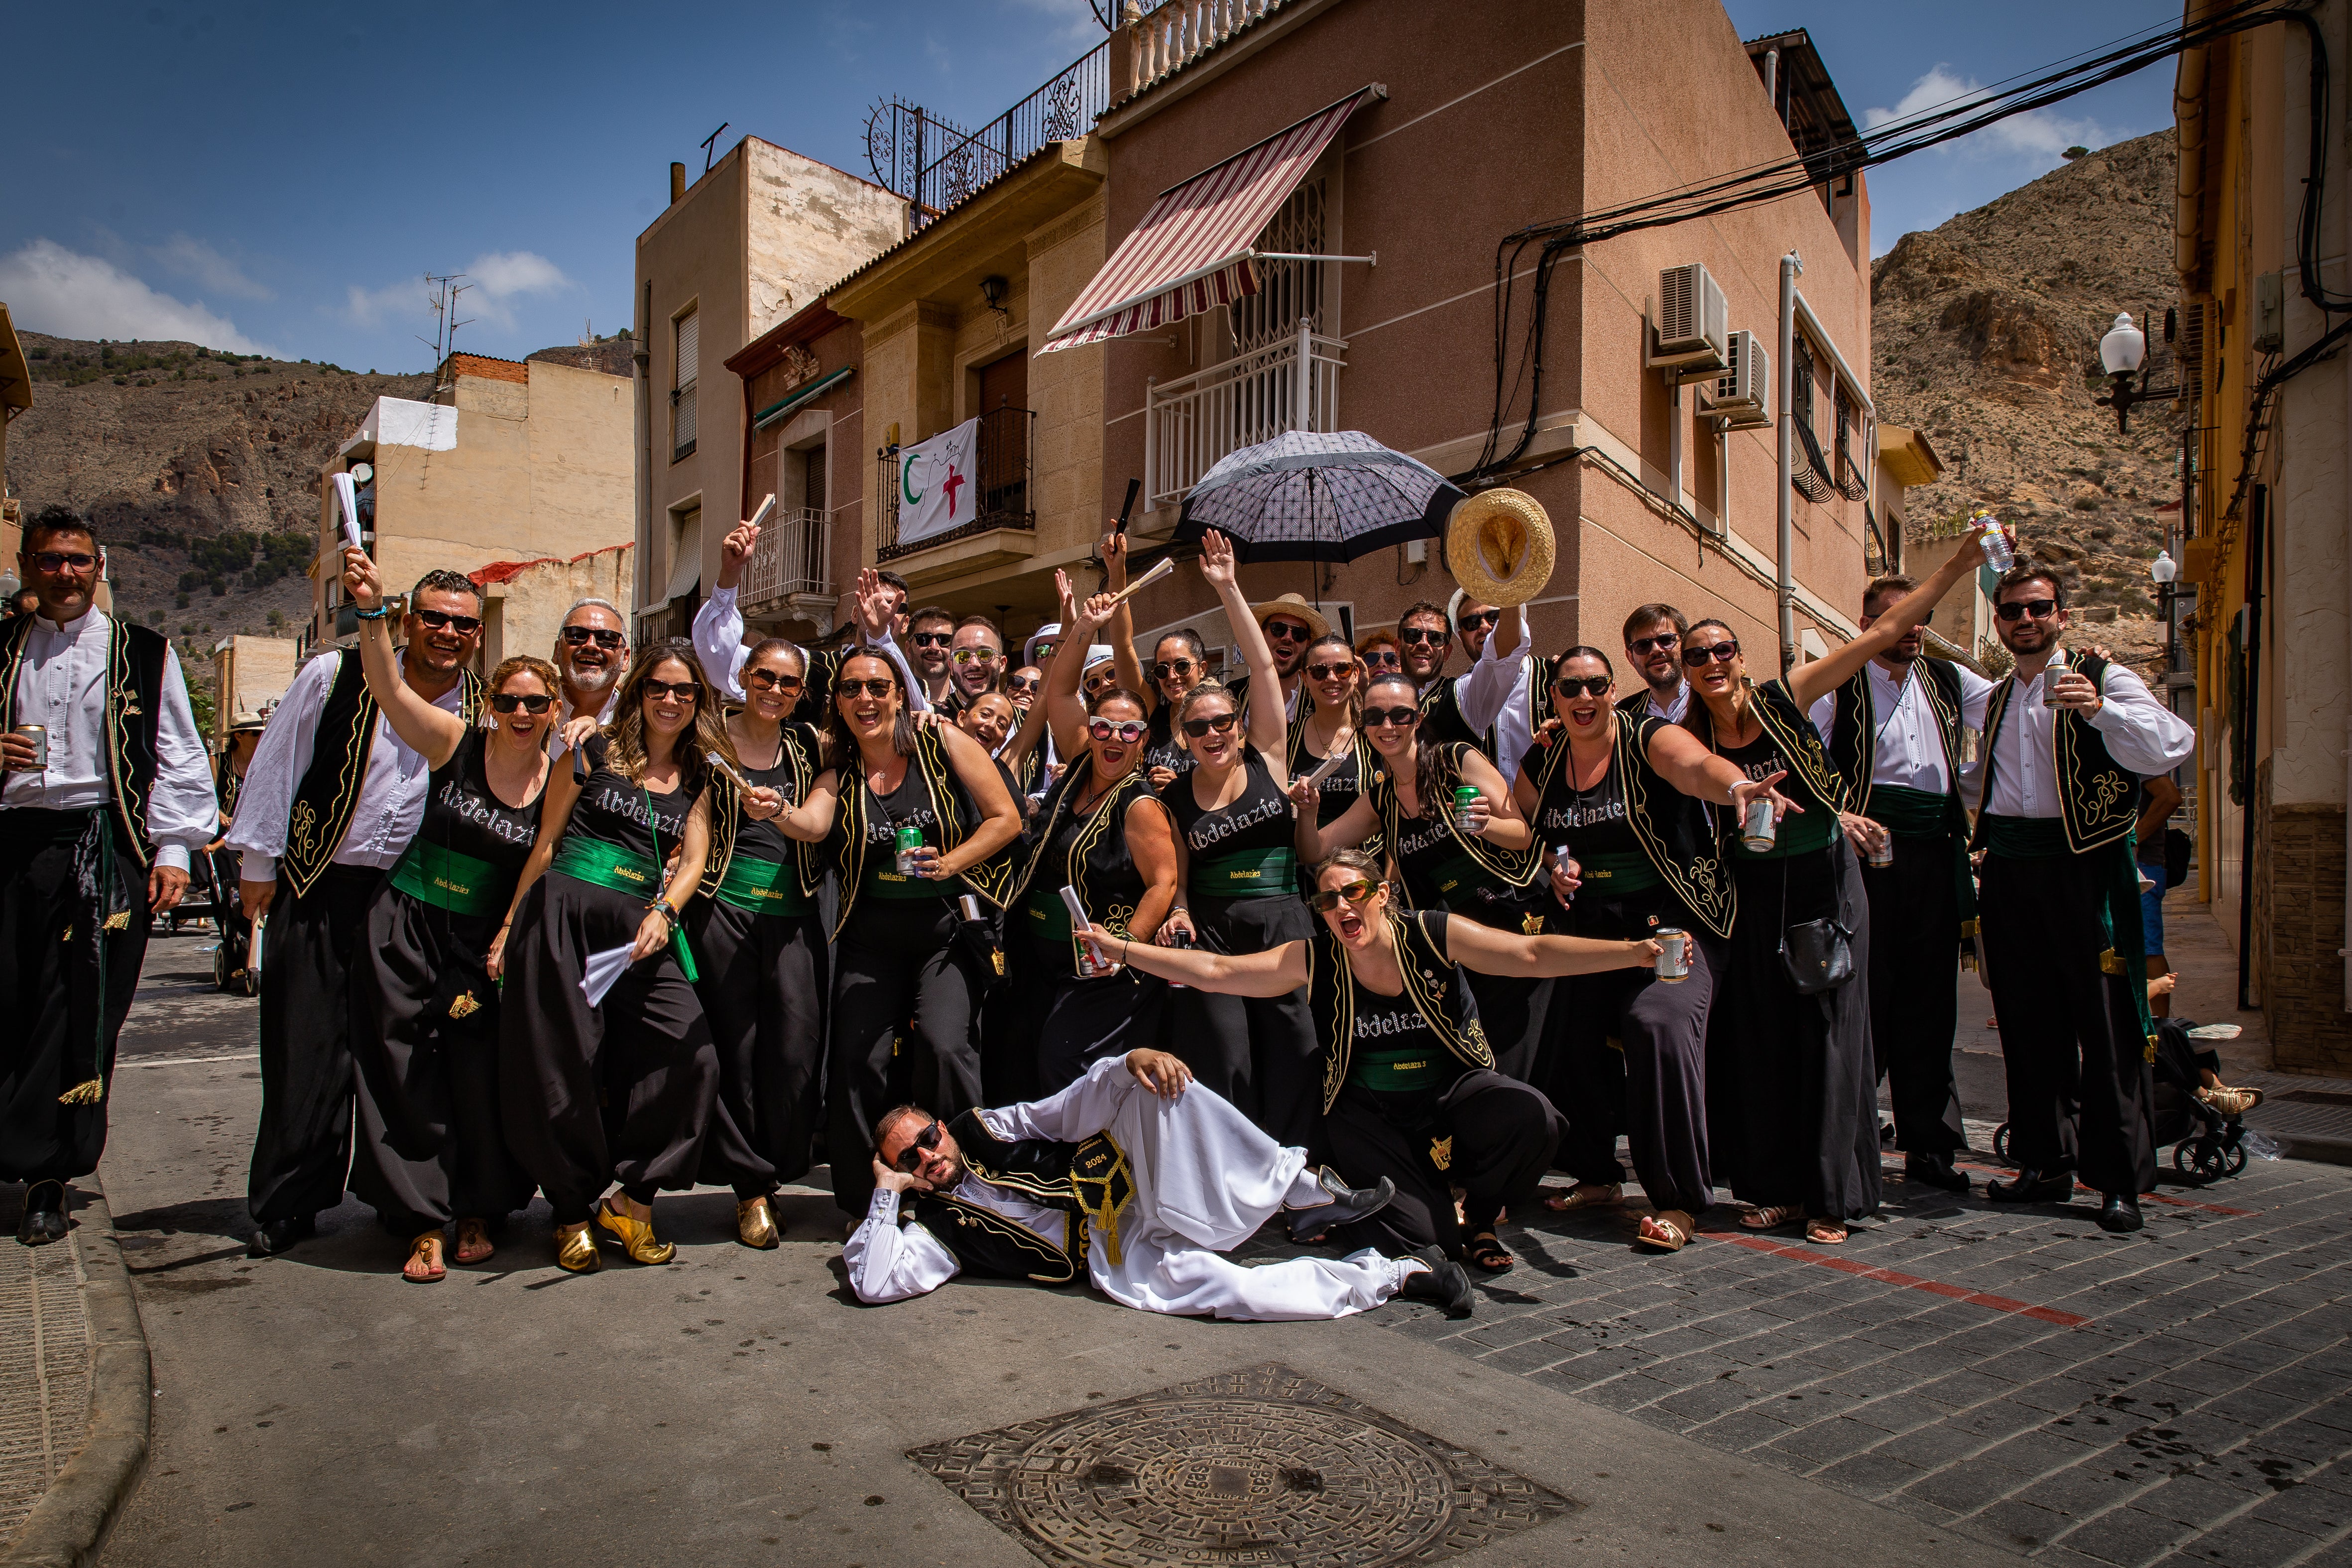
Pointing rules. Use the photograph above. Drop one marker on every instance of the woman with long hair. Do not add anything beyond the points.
(1178, 663)
(1799, 1091)
(619, 1091)
(1241, 883)
(758, 947)
(1409, 1088)
(908, 972)
(1625, 797)
(1330, 724)
(1476, 857)
(429, 1149)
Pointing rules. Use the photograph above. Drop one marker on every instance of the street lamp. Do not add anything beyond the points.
(2163, 569)
(2123, 353)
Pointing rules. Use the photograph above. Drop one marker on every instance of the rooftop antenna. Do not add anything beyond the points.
(709, 152)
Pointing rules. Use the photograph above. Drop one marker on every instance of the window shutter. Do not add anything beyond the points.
(690, 348)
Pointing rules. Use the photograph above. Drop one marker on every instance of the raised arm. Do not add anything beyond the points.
(1807, 683)
(1066, 708)
(1269, 726)
(1120, 628)
(432, 733)
(1491, 951)
(1276, 972)
(1353, 826)
(1691, 768)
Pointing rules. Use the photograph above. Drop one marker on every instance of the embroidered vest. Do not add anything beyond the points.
(1676, 832)
(1434, 985)
(1853, 733)
(1088, 1179)
(1793, 732)
(134, 713)
(330, 790)
(985, 1244)
(957, 813)
(2094, 794)
(1513, 868)
(797, 752)
(1442, 719)
(1098, 863)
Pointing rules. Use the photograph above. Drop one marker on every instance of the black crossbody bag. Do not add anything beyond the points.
(1818, 955)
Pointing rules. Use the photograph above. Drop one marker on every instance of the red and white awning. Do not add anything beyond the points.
(1195, 248)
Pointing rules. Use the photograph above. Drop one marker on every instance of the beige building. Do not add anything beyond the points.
(755, 240)
(524, 602)
(249, 674)
(512, 460)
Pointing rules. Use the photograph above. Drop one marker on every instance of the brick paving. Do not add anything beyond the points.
(2179, 1397)
(45, 1360)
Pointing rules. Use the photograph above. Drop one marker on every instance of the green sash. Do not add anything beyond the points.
(1391, 1072)
(1911, 813)
(1247, 874)
(2025, 837)
(1049, 921)
(883, 882)
(603, 865)
(1611, 875)
(762, 887)
(437, 875)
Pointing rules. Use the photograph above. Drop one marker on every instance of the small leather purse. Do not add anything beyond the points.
(1818, 955)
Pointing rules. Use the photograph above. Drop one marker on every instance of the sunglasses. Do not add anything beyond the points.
(1330, 671)
(1126, 734)
(771, 680)
(1196, 727)
(1289, 631)
(878, 687)
(1384, 659)
(1020, 683)
(1574, 686)
(507, 701)
(63, 560)
(911, 1157)
(684, 690)
(580, 636)
(1665, 643)
(1103, 682)
(1722, 653)
(933, 639)
(1168, 667)
(1355, 892)
(2039, 609)
(1392, 718)
(975, 656)
(1418, 636)
(1483, 618)
(464, 626)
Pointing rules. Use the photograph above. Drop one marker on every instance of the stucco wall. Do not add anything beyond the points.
(525, 609)
(809, 225)
(247, 673)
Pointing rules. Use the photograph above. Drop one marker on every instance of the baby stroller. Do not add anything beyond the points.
(2207, 1145)
(229, 971)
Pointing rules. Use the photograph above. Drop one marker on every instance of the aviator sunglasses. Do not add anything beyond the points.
(1355, 892)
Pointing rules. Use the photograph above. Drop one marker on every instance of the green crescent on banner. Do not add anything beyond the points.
(906, 472)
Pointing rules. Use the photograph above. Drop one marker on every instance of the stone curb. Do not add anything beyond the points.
(70, 1523)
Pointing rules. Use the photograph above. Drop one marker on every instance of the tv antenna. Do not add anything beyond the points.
(446, 290)
(709, 152)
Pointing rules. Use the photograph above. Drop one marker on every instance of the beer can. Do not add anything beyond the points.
(1559, 857)
(1674, 954)
(910, 840)
(1091, 963)
(2050, 674)
(1179, 939)
(1759, 830)
(1464, 799)
(969, 907)
(39, 735)
(1881, 851)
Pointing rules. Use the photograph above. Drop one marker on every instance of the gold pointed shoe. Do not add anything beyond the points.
(755, 1224)
(575, 1249)
(637, 1236)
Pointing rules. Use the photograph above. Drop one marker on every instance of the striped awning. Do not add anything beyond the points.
(1195, 248)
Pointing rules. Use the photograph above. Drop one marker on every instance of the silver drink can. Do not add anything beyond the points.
(1674, 954)
(968, 906)
(1758, 830)
(39, 735)
(2050, 674)
(1559, 856)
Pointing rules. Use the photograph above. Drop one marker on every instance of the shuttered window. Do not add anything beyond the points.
(685, 367)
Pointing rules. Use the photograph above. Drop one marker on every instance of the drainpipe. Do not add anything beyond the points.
(1673, 441)
(642, 357)
(1772, 79)
(1791, 266)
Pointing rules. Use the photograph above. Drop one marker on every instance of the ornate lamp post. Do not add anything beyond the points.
(2123, 353)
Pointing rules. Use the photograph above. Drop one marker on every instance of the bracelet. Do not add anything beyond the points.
(379, 613)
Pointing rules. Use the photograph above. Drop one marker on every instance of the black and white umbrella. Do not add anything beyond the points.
(1316, 495)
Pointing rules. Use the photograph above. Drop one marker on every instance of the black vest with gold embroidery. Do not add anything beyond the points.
(1434, 986)
(1676, 832)
(797, 752)
(952, 806)
(330, 790)
(1511, 868)
(1853, 733)
(1442, 718)
(1088, 1179)
(1813, 780)
(1096, 861)
(2095, 794)
(135, 657)
(986, 1244)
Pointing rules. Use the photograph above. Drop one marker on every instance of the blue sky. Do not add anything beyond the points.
(280, 177)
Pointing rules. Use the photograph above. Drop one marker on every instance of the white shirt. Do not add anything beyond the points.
(1499, 694)
(61, 684)
(1672, 712)
(556, 746)
(391, 802)
(1908, 751)
(2141, 735)
(719, 648)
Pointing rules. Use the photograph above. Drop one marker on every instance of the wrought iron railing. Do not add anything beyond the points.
(794, 555)
(1005, 455)
(1189, 423)
(936, 163)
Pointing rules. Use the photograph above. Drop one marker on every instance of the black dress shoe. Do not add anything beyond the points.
(44, 1218)
(1936, 1170)
(278, 1235)
(2120, 1214)
(1348, 1206)
(1446, 1284)
(2031, 1186)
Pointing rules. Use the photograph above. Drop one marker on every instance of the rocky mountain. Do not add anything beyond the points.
(1985, 335)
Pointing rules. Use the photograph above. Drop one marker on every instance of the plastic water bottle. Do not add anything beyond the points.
(2000, 548)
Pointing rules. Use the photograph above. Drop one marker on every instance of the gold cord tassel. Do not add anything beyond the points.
(88, 1093)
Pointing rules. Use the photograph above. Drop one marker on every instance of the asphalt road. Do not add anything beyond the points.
(739, 1407)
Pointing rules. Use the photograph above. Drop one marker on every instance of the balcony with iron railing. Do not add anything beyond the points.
(1189, 423)
(937, 163)
(1005, 455)
(791, 568)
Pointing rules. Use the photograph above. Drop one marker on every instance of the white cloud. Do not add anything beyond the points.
(2037, 135)
(188, 257)
(52, 289)
(493, 282)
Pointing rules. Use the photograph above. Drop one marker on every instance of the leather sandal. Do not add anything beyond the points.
(473, 1241)
(1773, 1218)
(1668, 1230)
(1825, 1232)
(424, 1266)
(1587, 1195)
(1487, 1254)
(635, 1236)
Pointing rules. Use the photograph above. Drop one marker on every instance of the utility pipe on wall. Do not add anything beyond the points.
(1791, 266)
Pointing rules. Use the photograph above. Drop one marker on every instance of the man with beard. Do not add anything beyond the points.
(1893, 736)
(94, 844)
(978, 657)
(719, 648)
(2067, 736)
(332, 797)
(1653, 644)
(932, 631)
(1290, 625)
(592, 654)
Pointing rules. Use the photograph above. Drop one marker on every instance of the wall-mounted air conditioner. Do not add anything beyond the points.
(1741, 396)
(1688, 333)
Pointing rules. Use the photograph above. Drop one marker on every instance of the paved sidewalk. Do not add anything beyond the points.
(44, 1365)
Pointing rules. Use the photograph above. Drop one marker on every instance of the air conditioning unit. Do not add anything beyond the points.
(1690, 333)
(1741, 396)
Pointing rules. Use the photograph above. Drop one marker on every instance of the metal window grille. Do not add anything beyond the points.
(1287, 291)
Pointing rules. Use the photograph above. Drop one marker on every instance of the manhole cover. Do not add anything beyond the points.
(1259, 1466)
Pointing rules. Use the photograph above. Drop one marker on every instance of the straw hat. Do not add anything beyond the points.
(1499, 547)
(256, 721)
(1292, 605)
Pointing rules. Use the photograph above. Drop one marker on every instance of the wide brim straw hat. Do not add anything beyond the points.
(1499, 547)
(1292, 605)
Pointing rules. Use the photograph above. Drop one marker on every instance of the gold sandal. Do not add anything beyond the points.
(1587, 1195)
(575, 1249)
(1679, 1227)
(437, 1269)
(1772, 1218)
(755, 1224)
(637, 1235)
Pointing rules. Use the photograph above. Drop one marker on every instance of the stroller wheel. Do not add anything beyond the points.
(2000, 1143)
(2199, 1160)
(2237, 1156)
